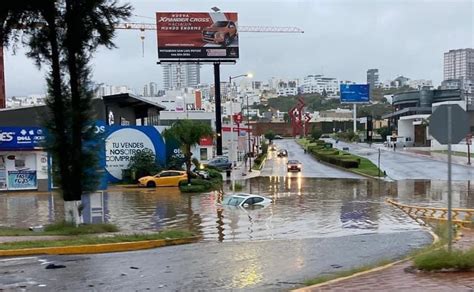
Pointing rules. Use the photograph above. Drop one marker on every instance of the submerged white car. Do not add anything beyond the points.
(246, 200)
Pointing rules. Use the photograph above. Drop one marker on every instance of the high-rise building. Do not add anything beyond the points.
(373, 78)
(459, 64)
(153, 89)
(177, 76)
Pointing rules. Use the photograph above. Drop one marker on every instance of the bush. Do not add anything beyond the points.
(192, 188)
(143, 163)
(316, 133)
(443, 259)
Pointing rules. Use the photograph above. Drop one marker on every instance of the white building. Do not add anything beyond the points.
(459, 64)
(287, 88)
(320, 84)
(420, 83)
(105, 89)
(22, 101)
(177, 76)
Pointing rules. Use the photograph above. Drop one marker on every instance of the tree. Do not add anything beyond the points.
(384, 132)
(270, 136)
(188, 133)
(286, 118)
(64, 34)
(316, 133)
(324, 93)
(143, 163)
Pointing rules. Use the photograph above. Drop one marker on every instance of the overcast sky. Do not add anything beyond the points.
(342, 39)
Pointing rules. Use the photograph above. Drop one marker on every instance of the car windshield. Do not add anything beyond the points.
(293, 162)
(221, 24)
(232, 201)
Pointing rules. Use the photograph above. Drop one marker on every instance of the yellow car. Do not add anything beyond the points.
(166, 178)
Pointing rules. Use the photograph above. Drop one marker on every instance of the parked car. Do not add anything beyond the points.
(246, 200)
(282, 153)
(273, 147)
(221, 32)
(278, 137)
(166, 178)
(220, 162)
(293, 165)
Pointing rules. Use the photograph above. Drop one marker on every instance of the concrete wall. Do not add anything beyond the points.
(406, 129)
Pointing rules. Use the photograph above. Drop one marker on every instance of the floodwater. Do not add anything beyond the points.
(301, 208)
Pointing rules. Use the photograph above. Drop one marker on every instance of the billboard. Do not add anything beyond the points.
(355, 93)
(197, 35)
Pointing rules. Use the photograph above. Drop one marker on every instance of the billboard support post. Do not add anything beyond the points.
(217, 96)
(355, 118)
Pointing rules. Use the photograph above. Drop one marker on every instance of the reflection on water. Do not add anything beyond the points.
(302, 208)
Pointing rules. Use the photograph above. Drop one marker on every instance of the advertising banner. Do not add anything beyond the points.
(355, 93)
(22, 179)
(123, 142)
(197, 35)
(15, 138)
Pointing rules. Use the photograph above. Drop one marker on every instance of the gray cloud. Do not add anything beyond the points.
(342, 39)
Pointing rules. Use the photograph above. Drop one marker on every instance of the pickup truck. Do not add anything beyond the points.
(221, 32)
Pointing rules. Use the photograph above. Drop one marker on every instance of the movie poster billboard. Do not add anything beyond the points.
(196, 35)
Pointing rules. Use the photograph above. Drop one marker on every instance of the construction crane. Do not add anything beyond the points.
(142, 27)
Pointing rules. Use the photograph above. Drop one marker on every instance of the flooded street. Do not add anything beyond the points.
(302, 208)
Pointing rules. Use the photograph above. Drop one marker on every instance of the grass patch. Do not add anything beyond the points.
(443, 259)
(60, 228)
(89, 239)
(258, 162)
(367, 167)
(325, 278)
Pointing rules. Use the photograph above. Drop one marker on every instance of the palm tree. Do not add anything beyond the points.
(188, 133)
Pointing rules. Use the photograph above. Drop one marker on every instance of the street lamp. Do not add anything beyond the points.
(229, 98)
(248, 132)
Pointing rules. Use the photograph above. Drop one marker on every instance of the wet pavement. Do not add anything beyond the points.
(401, 165)
(276, 166)
(317, 224)
(272, 265)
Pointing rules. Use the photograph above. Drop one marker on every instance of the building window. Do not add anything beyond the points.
(203, 153)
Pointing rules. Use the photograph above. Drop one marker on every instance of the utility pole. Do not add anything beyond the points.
(217, 96)
(248, 133)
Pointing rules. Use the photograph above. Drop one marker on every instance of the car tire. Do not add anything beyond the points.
(150, 184)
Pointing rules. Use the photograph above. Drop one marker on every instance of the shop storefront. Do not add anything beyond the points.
(23, 163)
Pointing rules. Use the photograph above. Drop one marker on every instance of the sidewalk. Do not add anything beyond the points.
(421, 152)
(399, 278)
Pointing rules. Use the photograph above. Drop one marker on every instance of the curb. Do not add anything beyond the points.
(98, 248)
(376, 269)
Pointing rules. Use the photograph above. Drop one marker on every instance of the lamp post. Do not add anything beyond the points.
(229, 98)
(248, 133)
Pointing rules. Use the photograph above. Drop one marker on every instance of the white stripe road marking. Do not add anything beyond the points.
(18, 259)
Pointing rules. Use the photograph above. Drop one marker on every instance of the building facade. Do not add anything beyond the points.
(320, 84)
(287, 88)
(459, 64)
(177, 76)
(373, 78)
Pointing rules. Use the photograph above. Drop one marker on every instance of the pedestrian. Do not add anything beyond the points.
(394, 146)
(304, 150)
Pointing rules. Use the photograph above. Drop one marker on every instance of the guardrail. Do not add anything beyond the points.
(459, 216)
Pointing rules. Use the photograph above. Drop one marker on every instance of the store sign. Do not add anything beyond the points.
(122, 143)
(21, 137)
(22, 179)
(355, 93)
(197, 35)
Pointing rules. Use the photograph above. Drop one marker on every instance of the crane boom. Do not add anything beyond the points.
(272, 29)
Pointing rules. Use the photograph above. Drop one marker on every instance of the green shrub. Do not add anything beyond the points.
(443, 259)
(192, 188)
(214, 174)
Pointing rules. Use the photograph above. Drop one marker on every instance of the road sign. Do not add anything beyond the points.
(439, 124)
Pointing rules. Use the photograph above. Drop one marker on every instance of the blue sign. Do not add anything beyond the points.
(355, 93)
(123, 142)
(22, 179)
(15, 138)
